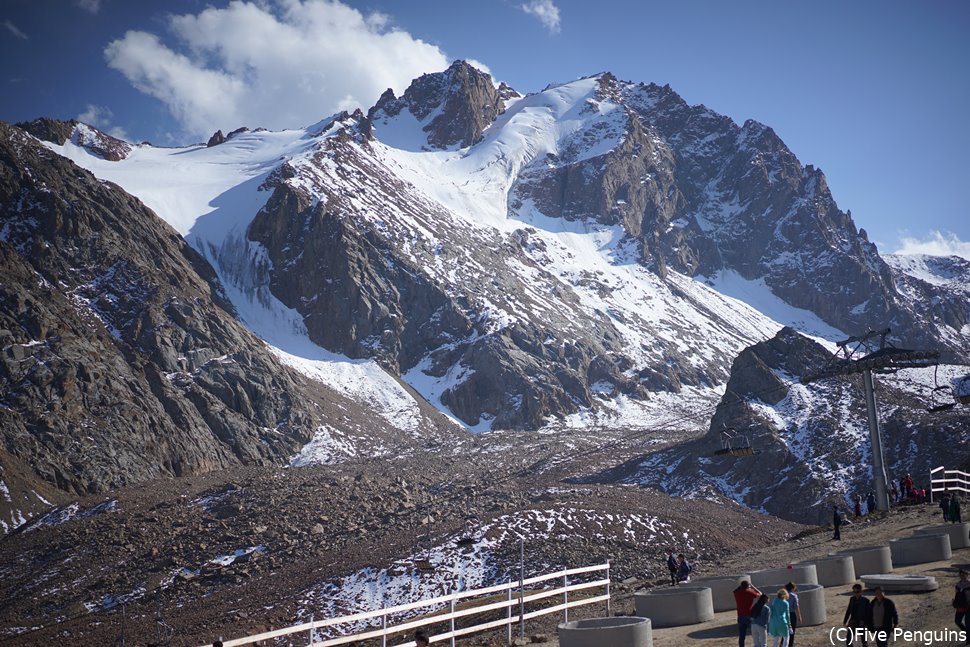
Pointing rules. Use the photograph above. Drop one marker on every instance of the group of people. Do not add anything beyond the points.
(877, 617)
(764, 617)
(950, 505)
(679, 568)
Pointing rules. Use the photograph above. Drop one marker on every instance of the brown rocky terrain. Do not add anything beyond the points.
(122, 359)
(149, 549)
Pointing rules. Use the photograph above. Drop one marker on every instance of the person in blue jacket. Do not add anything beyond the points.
(780, 622)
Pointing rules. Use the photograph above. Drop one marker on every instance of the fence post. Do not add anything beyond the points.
(451, 611)
(311, 631)
(508, 610)
(384, 629)
(608, 611)
(565, 598)
(522, 588)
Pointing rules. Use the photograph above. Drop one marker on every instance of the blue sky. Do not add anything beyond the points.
(875, 93)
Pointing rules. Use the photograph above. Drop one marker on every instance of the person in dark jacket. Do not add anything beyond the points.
(857, 615)
(672, 566)
(683, 569)
(955, 508)
(836, 523)
(870, 503)
(883, 618)
(945, 506)
(961, 604)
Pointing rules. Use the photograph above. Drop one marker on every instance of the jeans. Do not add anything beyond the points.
(962, 620)
(744, 623)
(760, 635)
(779, 641)
(794, 626)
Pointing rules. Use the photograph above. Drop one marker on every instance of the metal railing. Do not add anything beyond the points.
(521, 597)
(943, 480)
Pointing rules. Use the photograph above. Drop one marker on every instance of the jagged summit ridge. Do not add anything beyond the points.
(526, 261)
(453, 107)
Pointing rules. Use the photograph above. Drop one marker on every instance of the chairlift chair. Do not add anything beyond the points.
(938, 396)
(471, 530)
(734, 443)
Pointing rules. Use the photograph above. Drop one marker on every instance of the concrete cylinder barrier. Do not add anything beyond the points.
(959, 533)
(722, 589)
(869, 560)
(811, 600)
(920, 549)
(797, 573)
(834, 571)
(676, 606)
(904, 583)
(630, 631)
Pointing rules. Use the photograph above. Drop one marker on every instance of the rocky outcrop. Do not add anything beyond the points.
(121, 358)
(457, 104)
(812, 441)
(89, 137)
(217, 138)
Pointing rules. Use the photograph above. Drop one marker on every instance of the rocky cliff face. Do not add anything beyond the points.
(560, 258)
(382, 264)
(453, 106)
(812, 441)
(121, 358)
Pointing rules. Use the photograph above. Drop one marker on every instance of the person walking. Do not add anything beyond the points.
(683, 569)
(961, 604)
(858, 504)
(672, 566)
(760, 617)
(883, 618)
(907, 485)
(794, 613)
(856, 616)
(745, 597)
(870, 503)
(779, 625)
(945, 506)
(955, 508)
(836, 523)
(894, 491)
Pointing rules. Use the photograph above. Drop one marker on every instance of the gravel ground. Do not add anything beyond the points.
(149, 549)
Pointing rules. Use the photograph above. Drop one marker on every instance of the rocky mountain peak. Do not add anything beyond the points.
(81, 134)
(454, 106)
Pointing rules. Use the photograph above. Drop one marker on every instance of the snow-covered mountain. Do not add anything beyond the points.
(597, 253)
(570, 255)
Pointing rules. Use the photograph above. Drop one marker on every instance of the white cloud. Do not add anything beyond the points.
(546, 11)
(12, 28)
(936, 244)
(91, 6)
(100, 117)
(478, 65)
(279, 64)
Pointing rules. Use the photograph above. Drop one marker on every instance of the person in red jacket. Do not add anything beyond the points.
(744, 597)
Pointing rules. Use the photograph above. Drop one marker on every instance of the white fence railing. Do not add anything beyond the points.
(943, 480)
(521, 597)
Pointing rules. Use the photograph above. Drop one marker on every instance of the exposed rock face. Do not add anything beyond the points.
(121, 359)
(99, 143)
(813, 441)
(216, 139)
(704, 196)
(458, 104)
